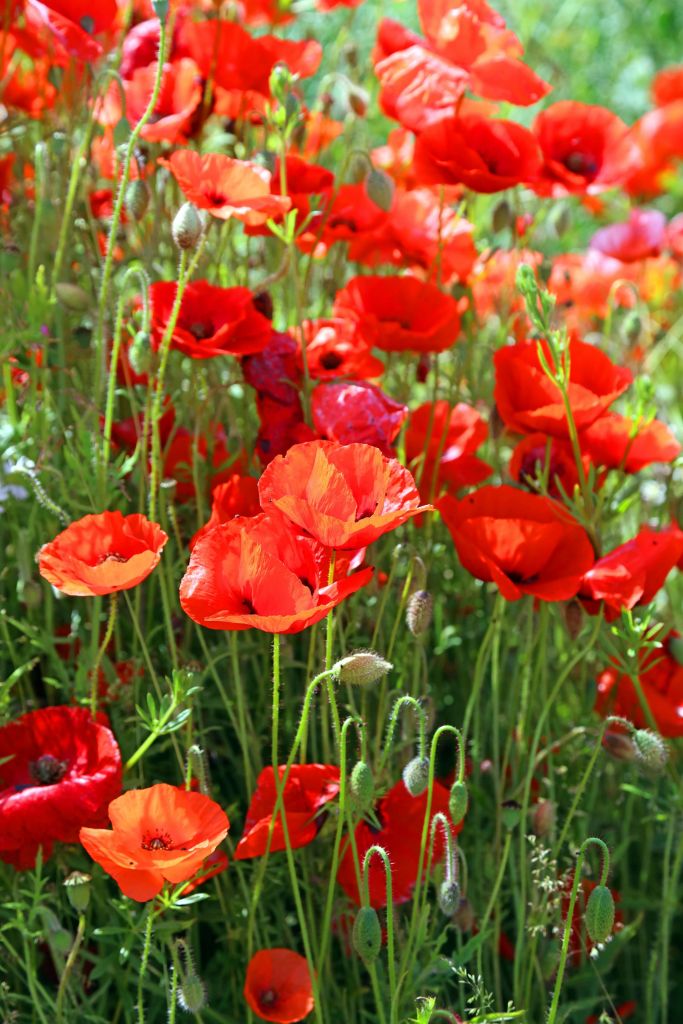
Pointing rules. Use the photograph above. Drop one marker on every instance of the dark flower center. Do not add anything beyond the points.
(48, 770)
(268, 998)
(581, 163)
(215, 199)
(87, 24)
(331, 361)
(111, 556)
(201, 331)
(156, 841)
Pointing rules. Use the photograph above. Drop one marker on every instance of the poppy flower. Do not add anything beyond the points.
(335, 348)
(215, 864)
(278, 986)
(160, 834)
(661, 679)
(72, 25)
(632, 573)
(179, 98)
(524, 543)
(238, 496)
(212, 321)
(351, 213)
(357, 412)
(281, 425)
(667, 85)
(100, 554)
(400, 314)
(59, 769)
(309, 787)
(485, 155)
(642, 235)
(274, 372)
(303, 181)
(657, 138)
(443, 441)
(226, 187)
(417, 87)
(260, 573)
(616, 442)
(530, 402)
(345, 496)
(587, 283)
(528, 464)
(401, 818)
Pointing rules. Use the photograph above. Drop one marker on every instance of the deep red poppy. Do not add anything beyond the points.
(529, 401)
(400, 314)
(281, 425)
(351, 214)
(485, 155)
(524, 543)
(357, 412)
(303, 181)
(417, 87)
(160, 834)
(450, 437)
(335, 348)
(345, 496)
(528, 464)
(238, 496)
(661, 679)
(72, 25)
(274, 372)
(667, 85)
(260, 573)
(615, 442)
(309, 787)
(278, 986)
(401, 818)
(180, 96)
(100, 554)
(642, 235)
(212, 321)
(59, 769)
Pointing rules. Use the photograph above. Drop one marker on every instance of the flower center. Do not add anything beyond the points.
(268, 998)
(201, 331)
(581, 163)
(47, 770)
(331, 361)
(112, 556)
(156, 841)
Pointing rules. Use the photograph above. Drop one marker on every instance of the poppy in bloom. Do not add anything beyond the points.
(400, 314)
(238, 496)
(418, 87)
(401, 818)
(160, 834)
(443, 440)
(632, 573)
(309, 787)
(278, 986)
(226, 187)
(334, 348)
(530, 402)
(59, 769)
(357, 412)
(262, 574)
(103, 553)
(616, 442)
(660, 675)
(180, 96)
(485, 155)
(345, 496)
(524, 543)
(667, 85)
(212, 321)
(72, 24)
(281, 426)
(642, 235)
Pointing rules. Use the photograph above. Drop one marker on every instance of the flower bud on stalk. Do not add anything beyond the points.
(600, 914)
(458, 802)
(416, 775)
(449, 897)
(419, 612)
(160, 9)
(362, 785)
(77, 886)
(187, 227)
(361, 668)
(140, 354)
(137, 199)
(380, 189)
(191, 988)
(367, 934)
(620, 746)
(650, 750)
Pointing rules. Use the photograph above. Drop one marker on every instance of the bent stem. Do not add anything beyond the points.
(379, 851)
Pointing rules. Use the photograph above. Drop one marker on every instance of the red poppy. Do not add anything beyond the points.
(58, 771)
(140, 47)
(357, 412)
(401, 818)
(529, 401)
(278, 986)
(524, 543)
(615, 442)
(180, 96)
(586, 149)
(212, 321)
(657, 137)
(351, 214)
(262, 574)
(100, 554)
(642, 235)
(335, 348)
(345, 496)
(226, 187)
(238, 496)
(303, 181)
(274, 372)
(528, 464)
(160, 834)
(72, 25)
(309, 787)
(587, 283)
(400, 314)
(281, 426)
(451, 436)
(215, 864)
(485, 155)
(667, 85)
(661, 679)
(632, 573)
(623, 1012)
(418, 87)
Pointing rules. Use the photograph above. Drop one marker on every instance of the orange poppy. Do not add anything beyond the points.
(278, 986)
(160, 834)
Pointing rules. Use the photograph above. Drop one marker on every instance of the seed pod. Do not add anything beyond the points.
(137, 199)
(160, 9)
(187, 227)
(511, 814)
(600, 914)
(651, 750)
(361, 668)
(362, 785)
(458, 802)
(448, 897)
(367, 934)
(419, 612)
(416, 775)
(77, 886)
(380, 189)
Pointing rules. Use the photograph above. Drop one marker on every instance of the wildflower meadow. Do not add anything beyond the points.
(341, 494)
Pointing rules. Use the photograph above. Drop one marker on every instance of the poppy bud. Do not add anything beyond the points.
(502, 216)
(650, 750)
(544, 817)
(600, 914)
(280, 82)
(187, 226)
(463, 918)
(139, 353)
(358, 100)
(362, 785)
(350, 54)
(192, 993)
(160, 9)
(73, 297)
(419, 612)
(631, 327)
(560, 219)
(367, 934)
(361, 668)
(30, 593)
(458, 802)
(448, 897)
(137, 199)
(619, 746)
(358, 167)
(380, 189)
(77, 886)
(416, 775)
(196, 767)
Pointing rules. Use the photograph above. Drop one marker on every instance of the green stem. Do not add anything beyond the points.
(143, 965)
(95, 671)
(68, 968)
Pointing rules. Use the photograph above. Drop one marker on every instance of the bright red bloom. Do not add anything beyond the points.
(485, 155)
(357, 412)
(658, 137)
(667, 85)
(345, 496)
(72, 25)
(350, 214)
(401, 817)
(262, 574)
(418, 87)
(238, 496)
(309, 787)
(642, 235)
(524, 543)
(278, 986)
(303, 180)
(529, 401)
(160, 834)
(528, 464)
(100, 554)
(661, 679)
(180, 96)
(447, 455)
(59, 770)
(281, 426)
(615, 442)
(632, 573)
(212, 321)
(274, 372)
(226, 187)
(400, 314)
(335, 348)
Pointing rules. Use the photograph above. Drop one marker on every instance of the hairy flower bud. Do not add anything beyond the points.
(651, 750)
(632, 326)
(463, 918)
(543, 817)
(362, 785)
(192, 993)
(416, 775)
(458, 802)
(419, 612)
(187, 227)
(620, 746)
(73, 297)
(600, 914)
(380, 189)
(358, 100)
(137, 199)
(361, 668)
(140, 353)
(448, 897)
(367, 934)
(77, 886)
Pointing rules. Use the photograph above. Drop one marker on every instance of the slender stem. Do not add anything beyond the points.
(68, 968)
(143, 965)
(391, 960)
(95, 671)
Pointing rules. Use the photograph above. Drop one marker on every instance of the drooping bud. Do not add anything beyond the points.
(361, 668)
(358, 100)
(196, 767)
(502, 216)
(448, 897)
(419, 612)
(77, 886)
(416, 775)
(463, 918)
(458, 802)
(73, 297)
(543, 817)
(380, 189)
(367, 934)
(620, 746)
(137, 199)
(140, 353)
(191, 988)
(631, 326)
(359, 167)
(600, 914)
(187, 226)
(362, 785)
(651, 750)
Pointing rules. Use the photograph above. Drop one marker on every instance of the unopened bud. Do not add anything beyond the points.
(30, 593)
(502, 216)
(361, 668)
(416, 775)
(137, 199)
(631, 327)
(187, 227)
(458, 802)
(192, 993)
(380, 189)
(140, 353)
(362, 785)
(358, 100)
(367, 934)
(544, 817)
(600, 914)
(73, 297)
(358, 168)
(650, 750)
(463, 918)
(419, 612)
(77, 886)
(448, 897)
(196, 767)
(280, 82)
(560, 219)
(675, 646)
(620, 746)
